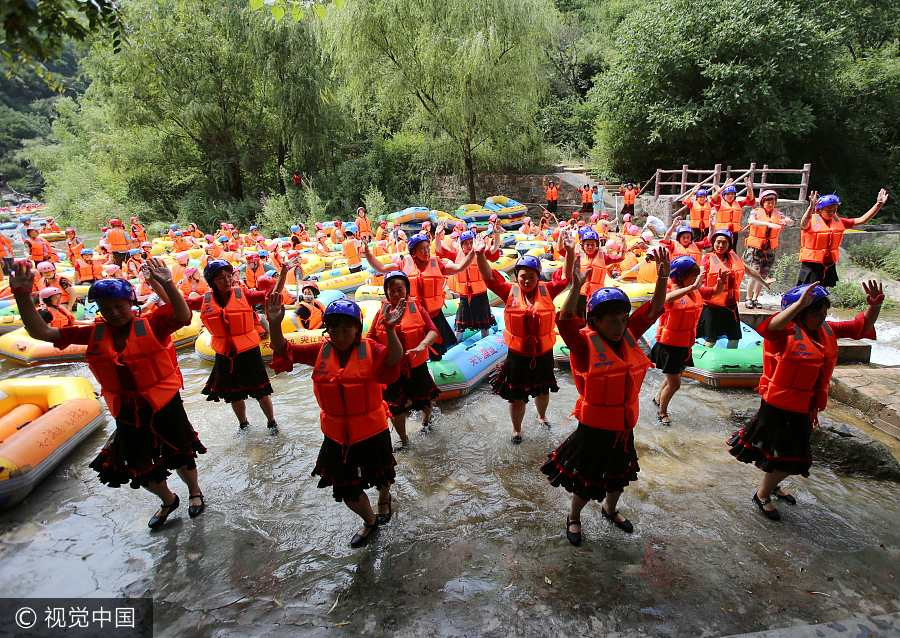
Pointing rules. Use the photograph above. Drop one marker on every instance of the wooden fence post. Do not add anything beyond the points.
(804, 182)
(753, 172)
(684, 170)
(656, 186)
(717, 175)
(765, 170)
(728, 172)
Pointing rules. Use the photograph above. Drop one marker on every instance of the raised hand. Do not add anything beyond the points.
(813, 199)
(392, 315)
(274, 308)
(882, 197)
(578, 277)
(478, 244)
(806, 296)
(677, 221)
(365, 249)
(22, 278)
(874, 292)
(661, 257)
(156, 270)
(569, 242)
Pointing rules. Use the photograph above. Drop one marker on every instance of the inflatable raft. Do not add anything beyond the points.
(42, 419)
(469, 362)
(18, 347)
(723, 367)
(505, 207)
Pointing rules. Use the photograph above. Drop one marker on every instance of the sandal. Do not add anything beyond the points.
(544, 422)
(273, 427)
(663, 419)
(244, 425)
(384, 519)
(516, 439)
(783, 496)
(655, 400)
(402, 446)
(574, 537)
(160, 517)
(196, 510)
(624, 525)
(772, 515)
(360, 540)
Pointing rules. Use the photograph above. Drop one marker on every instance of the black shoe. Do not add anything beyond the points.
(360, 540)
(625, 525)
(273, 427)
(196, 510)
(401, 447)
(244, 425)
(773, 515)
(782, 496)
(384, 519)
(574, 537)
(545, 423)
(516, 439)
(158, 519)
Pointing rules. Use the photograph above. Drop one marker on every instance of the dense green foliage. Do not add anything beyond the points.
(208, 110)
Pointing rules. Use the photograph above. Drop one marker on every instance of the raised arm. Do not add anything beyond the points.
(677, 293)
(658, 302)
(783, 318)
(389, 320)
(880, 201)
(675, 222)
(807, 215)
(874, 297)
(21, 282)
(483, 266)
(570, 305)
(374, 263)
(570, 256)
(275, 314)
(452, 269)
(156, 270)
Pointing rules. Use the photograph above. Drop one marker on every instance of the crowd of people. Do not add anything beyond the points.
(364, 383)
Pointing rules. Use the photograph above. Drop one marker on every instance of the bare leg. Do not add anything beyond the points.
(190, 479)
(240, 411)
(399, 421)
(162, 490)
(669, 387)
(541, 402)
(266, 404)
(578, 504)
(609, 504)
(517, 414)
(384, 499)
(426, 416)
(768, 484)
(363, 508)
(753, 290)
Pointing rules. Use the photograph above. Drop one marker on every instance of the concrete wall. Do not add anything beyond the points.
(528, 189)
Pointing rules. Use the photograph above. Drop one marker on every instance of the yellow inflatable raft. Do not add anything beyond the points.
(18, 347)
(42, 419)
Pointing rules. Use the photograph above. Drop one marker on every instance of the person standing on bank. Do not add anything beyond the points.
(552, 194)
(821, 234)
(349, 373)
(799, 356)
(764, 226)
(134, 361)
(238, 371)
(599, 459)
(528, 333)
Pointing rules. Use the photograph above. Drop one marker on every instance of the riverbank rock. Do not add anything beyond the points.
(844, 448)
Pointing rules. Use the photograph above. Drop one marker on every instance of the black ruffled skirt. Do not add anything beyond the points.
(414, 390)
(474, 313)
(521, 376)
(448, 337)
(236, 379)
(147, 445)
(592, 462)
(349, 471)
(775, 440)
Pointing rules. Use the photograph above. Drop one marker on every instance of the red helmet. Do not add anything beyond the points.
(70, 231)
(309, 284)
(115, 221)
(265, 283)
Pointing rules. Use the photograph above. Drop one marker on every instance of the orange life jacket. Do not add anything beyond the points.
(6, 246)
(40, 282)
(181, 244)
(40, 250)
(529, 327)
(763, 237)
(152, 364)
(351, 252)
(729, 215)
(352, 409)
(796, 379)
(732, 293)
(139, 234)
(692, 250)
(411, 331)
(73, 250)
(363, 226)
(84, 270)
(678, 324)
(597, 264)
(820, 242)
(552, 193)
(60, 316)
(231, 327)
(629, 196)
(586, 197)
(426, 285)
(316, 314)
(187, 286)
(117, 240)
(252, 276)
(699, 214)
(467, 283)
(608, 392)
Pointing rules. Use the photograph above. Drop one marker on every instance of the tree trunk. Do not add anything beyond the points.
(235, 181)
(470, 171)
(280, 168)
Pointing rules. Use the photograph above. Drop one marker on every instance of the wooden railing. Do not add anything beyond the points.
(687, 178)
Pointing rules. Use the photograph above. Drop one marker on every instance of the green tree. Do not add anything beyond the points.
(472, 71)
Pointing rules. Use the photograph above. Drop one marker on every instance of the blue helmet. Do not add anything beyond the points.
(178, 233)
(681, 266)
(87, 251)
(792, 295)
(727, 234)
(25, 218)
(396, 274)
(134, 251)
(214, 267)
(467, 236)
(590, 235)
(295, 229)
(415, 240)
(111, 289)
(223, 239)
(702, 193)
(605, 296)
(528, 261)
(729, 190)
(254, 227)
(828, 200)
(683, 229)
(173, 227)
(344, 307)
(263, 253)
